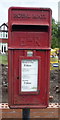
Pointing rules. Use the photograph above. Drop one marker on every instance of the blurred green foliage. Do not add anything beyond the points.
(55, 34)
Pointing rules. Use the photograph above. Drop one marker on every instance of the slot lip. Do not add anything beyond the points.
(18, 23)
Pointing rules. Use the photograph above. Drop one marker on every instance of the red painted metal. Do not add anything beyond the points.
(29, 30)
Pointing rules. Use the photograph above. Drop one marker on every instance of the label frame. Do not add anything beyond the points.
(38, 81)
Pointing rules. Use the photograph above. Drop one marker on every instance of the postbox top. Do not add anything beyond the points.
(37, 8)
(29, 16)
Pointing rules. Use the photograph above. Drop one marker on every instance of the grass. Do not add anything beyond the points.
(3, 59)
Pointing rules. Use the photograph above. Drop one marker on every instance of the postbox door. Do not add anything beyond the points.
(29, 88)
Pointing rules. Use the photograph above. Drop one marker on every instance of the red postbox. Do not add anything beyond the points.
(29, 57)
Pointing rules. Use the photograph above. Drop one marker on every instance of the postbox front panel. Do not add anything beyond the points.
(29, 57)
